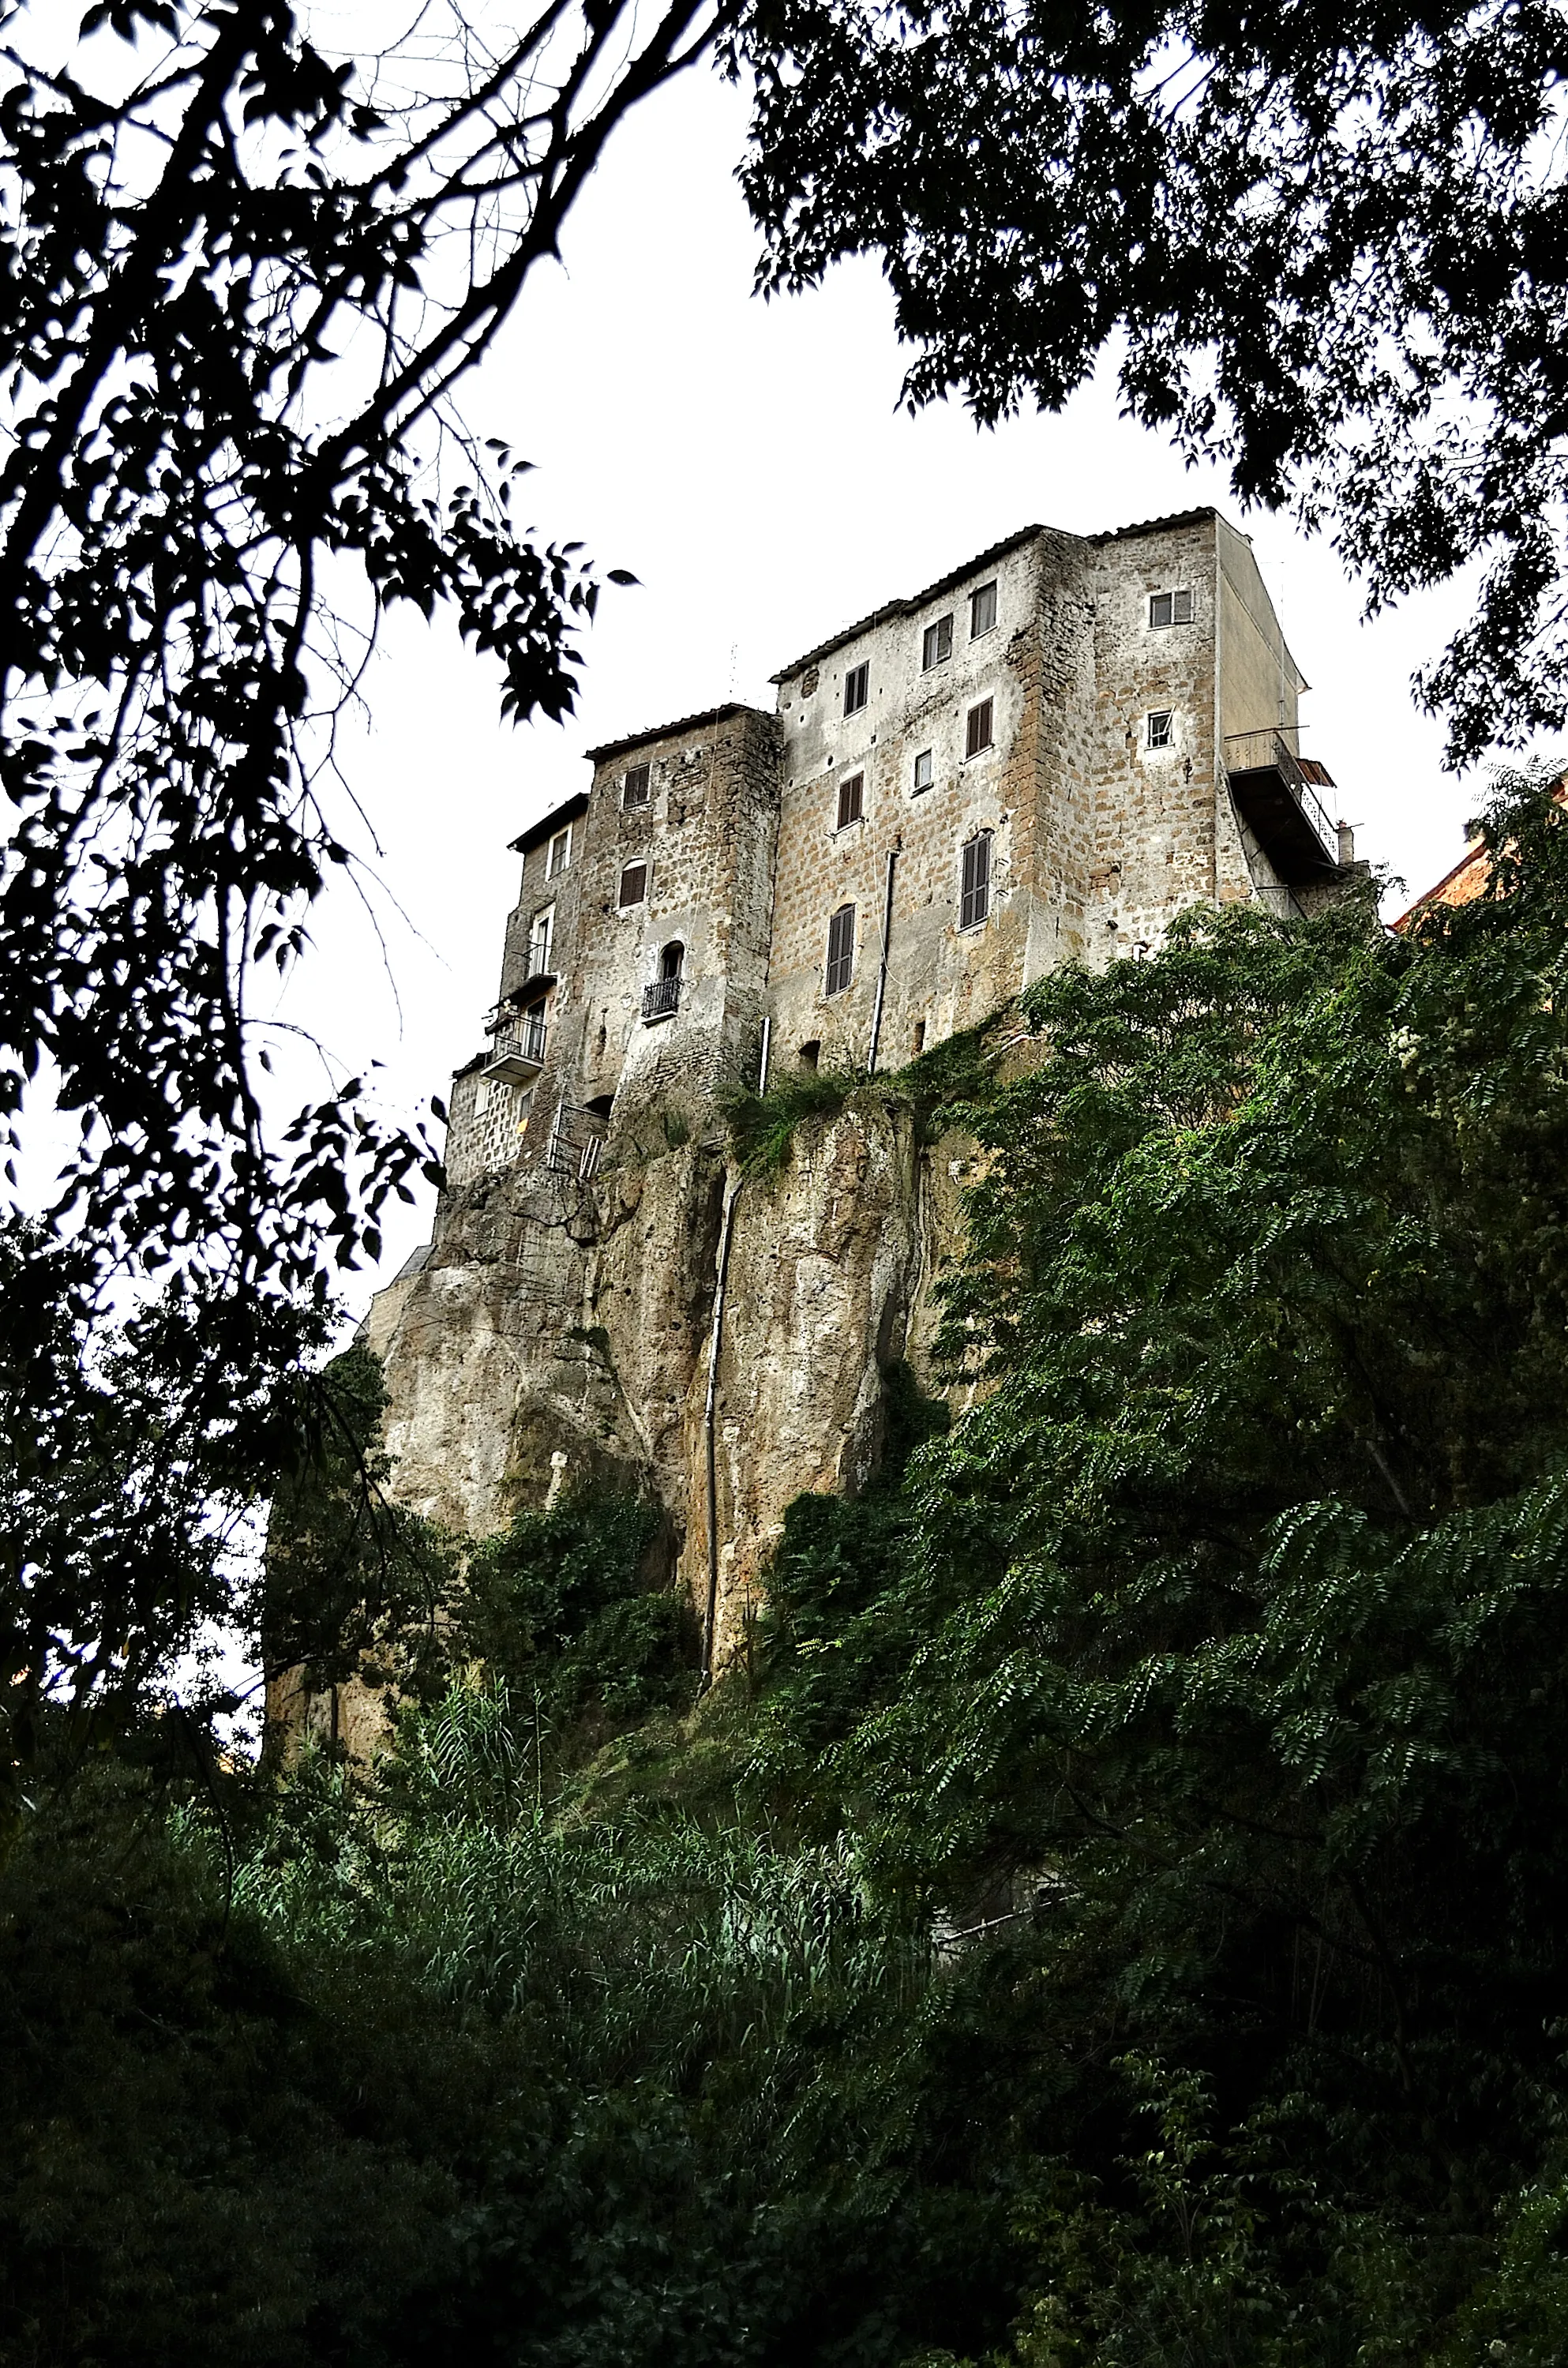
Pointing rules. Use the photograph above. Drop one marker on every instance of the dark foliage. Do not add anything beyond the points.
(239, 286)
(1325, 245)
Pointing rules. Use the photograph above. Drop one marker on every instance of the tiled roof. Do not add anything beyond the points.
(973, 567)
(670, 731)
(917, 600)
(547, 825)
(1154, 526)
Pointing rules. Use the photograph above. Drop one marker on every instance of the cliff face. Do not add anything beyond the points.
(559, 1333)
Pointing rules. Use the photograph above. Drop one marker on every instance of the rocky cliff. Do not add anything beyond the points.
(559, 1332)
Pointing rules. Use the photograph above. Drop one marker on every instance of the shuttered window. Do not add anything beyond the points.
(634, 884)
(635, 793)
(1170, 608)
(977, 729)
(937, 644)
(851, 799)
(974, 891)
(857, 688)
(840, 950)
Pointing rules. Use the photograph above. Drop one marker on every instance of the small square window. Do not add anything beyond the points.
(924, 771)
(981, 610)
(840, 950)
(1170, 609)
(937, 644)
(633, 885)
(1160, 726)
(977, 729)
(851, 800)
(857, 688)
(560, 854)
(634, 791)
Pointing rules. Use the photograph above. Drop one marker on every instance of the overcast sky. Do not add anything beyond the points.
(747, 462)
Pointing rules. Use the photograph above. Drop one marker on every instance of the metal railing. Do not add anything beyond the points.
(576, 1143)
(524, 1034)
(1272, 751)
(661, 999)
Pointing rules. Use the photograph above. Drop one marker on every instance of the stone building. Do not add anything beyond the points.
(1039, 758)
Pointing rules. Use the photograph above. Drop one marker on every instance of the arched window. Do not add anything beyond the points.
(661, 1000)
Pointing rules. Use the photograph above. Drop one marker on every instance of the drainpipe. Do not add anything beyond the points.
(732, 1194)
(762, 1066)
(894, 853)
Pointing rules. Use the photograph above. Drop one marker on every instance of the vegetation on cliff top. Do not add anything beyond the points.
(1121, 1919)
(935, 1089)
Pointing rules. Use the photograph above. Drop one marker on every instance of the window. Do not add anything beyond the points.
(923, 774)
(840, 950)
(540, 930)
(851, 800)
(662, 999)
(974, 888)
(937, 644)
(633, 885)
(1160, 726)
(919, 1038)
(977, 729)
(811, 1054)
(634, 791)
(560, 854)
(981, 610)
(857, 688)
(1170, 609)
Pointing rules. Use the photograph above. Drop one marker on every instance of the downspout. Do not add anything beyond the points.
(894, 853)
(731, 1195)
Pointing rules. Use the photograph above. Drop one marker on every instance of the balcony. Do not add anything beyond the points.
(1275, 789)
(661, 1000)
(518, 1055)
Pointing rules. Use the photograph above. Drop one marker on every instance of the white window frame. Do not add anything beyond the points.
(927, 758)
(634, 903)
(1159, 728)
(932, 652)
(558, 855)
(1178, 602)
(987, 706)
(541, 940)
(976, 631)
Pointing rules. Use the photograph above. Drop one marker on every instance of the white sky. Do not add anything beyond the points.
(747, 462)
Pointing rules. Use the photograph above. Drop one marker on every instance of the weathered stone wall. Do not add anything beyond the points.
(940, 977)
(559, 1327)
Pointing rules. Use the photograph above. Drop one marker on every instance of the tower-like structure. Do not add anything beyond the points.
(1040, 758)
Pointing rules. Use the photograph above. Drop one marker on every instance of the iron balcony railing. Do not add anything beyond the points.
(1274, 750)
(661, 1000)
(518, 1044)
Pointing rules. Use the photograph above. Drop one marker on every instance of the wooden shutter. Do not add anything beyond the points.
(974, 896)
(840, 950)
